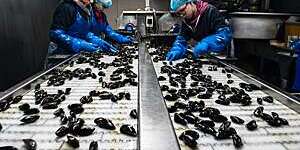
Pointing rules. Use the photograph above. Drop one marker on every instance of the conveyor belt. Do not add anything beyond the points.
(42, 131)
(156, 128)
(265, 137)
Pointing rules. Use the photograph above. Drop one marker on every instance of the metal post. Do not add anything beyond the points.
(147, 3)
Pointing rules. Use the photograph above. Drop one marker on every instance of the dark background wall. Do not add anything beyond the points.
(23, 38)
(285, 5)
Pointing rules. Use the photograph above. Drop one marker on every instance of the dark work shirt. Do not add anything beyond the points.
(210, 21)
(65, 15)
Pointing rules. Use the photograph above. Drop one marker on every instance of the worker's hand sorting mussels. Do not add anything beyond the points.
(201, 22)
(78, 24)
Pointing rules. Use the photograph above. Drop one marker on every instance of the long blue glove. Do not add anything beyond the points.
(178, 49)
(103, 45)
(68, 42)
(213, 43)
(118, 37)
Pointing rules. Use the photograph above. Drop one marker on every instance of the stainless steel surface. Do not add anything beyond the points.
(143, 12)
(156, 131)
(255, 27)
(147, 3)
(263, 14)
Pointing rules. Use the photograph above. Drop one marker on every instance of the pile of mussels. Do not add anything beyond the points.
(72, 125)
(203, 87)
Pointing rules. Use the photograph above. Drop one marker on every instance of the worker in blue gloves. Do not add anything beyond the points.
(74, 27)
(102, 26)
(201, 22)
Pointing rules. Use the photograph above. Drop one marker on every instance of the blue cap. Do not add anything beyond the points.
(105, 3)
(175, 4)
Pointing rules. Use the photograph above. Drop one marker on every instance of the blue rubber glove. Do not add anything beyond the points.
(178, 49)
(296, 46)
(176, 53)
(200, 49)
(81, 45)
(68, 42)
(125, 40)
(118, 37)
(213, 43)
(103, 45)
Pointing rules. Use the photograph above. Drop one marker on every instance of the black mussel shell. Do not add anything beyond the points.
(259, 101)
(58, 112)
(258, 111)
(236, 120)
(268, 99)
(62, 131)
(86, 99)
(207, 123)
(64, 119)
(133, 114)
(85, 131)
(251, 125)
(188, 140)
(17, 99)
(30, 144)
(93, 145)
(50, 106)
(172, 109)
(31, 111)
(30, 119)
(72, 141)
(161, 78)
(222, 102)
(178, 118)
(24, 107)
(218, 118)
(128, 130)
(127, 96)
(206, 129)
(68, 91)
(237, 141)
(104, 123)
(194, 134)
(76, 108)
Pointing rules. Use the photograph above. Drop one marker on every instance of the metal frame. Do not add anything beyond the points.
(155, 127)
